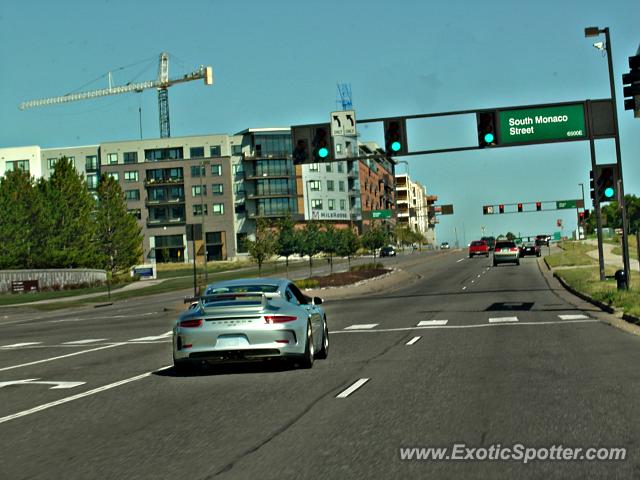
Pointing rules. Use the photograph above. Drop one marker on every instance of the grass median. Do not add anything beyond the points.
(633, 247)
(572, 254)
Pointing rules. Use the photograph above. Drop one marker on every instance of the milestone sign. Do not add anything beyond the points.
(542, 124)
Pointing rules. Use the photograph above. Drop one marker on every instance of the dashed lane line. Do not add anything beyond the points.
(503, 319)
(572, 317)
(363, 326)
(351, 389)
(413, 340)
(424, 323)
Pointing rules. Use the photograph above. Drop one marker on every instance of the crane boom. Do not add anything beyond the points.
(161, 83)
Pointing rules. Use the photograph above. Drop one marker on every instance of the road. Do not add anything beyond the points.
(504, 358)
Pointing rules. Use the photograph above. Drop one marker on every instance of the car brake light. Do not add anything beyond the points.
(191, 323)
(279, 318)
(515, 249)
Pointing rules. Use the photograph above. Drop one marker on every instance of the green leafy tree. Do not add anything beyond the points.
(287, 242)
(117, 232)
(264, 246)
(374, 238)
(329, 243)
(347, 244)
(310, 242)
(510, 236)
(22, 222)
(72, 234)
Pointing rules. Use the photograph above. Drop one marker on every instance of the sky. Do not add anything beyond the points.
(277, 63)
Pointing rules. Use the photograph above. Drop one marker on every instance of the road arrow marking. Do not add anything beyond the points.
(33, 381)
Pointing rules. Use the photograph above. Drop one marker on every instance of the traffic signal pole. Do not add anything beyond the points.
(621, 200)
(596, 200)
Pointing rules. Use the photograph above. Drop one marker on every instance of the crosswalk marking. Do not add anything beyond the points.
(24, 344)
(82, 342)
(363, 326)
(426, 323)
(572, 317)
(503, 319)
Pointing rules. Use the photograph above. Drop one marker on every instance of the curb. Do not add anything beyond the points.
(584, 296)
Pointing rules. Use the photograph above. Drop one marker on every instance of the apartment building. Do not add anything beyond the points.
(415, 207)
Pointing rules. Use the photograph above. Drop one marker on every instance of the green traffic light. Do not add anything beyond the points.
(489, 137)
(396, 146)
(609, 192)
(323, 152)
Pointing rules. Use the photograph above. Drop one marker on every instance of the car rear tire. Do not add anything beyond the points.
(518, 262)
(495, 264)
(323, 353)
(183, 368)
(309, 350)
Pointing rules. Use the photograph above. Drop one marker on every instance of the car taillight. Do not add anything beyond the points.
(191, 323)
(513, 249)
(279, 319)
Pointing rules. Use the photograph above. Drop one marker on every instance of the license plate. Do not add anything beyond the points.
(225, 341)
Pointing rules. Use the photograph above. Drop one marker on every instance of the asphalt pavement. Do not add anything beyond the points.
(462, 353)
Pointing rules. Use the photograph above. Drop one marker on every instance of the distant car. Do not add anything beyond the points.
(506, 251)
(478, 247)
(543, 240)
(491, 241)
(248, 320)
(444, 246)
(388, 251)
(530, 248)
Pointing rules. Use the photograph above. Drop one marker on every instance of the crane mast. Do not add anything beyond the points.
(162, 84)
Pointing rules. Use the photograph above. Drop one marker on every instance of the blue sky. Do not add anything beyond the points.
(277, 64)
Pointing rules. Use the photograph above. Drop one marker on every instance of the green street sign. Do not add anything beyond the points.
(557, 235)
(377, 214)
(542, 124)
(562, 204)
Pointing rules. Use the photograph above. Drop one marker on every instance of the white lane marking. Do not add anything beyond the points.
(18, 345)
(503, 319)
(482, 325)
(478, 276)
(413, 340)
(572, 317)
(88, 340)
(61, 356)
(79, 395)
(464, 288)
(352, 388)
(473, 281)
(424, 323)
(363, 326)
(35, 381)
(156, 337)
(460, 260)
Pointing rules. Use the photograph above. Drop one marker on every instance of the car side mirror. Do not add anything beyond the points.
(317, 301)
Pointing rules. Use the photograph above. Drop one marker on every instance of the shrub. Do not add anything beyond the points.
(307, 283)
(367, 266)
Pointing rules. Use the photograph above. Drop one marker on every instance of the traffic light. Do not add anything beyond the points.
(606, 182)
(586, 214)
(581, 215)
(487, 210)
(395, 136)
(633, 90)
(501, 208)
(592, 186)
(519, 208)
(538, 206)
(321, 143)
(487, 132)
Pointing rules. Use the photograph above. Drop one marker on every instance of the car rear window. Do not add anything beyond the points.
(242, 289)
(505, 245)
(477, 244)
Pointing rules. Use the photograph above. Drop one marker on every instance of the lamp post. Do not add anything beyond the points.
(594, 32)
(203, 165)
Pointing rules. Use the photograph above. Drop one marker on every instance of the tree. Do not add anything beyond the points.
(310, 242)
(329, 243)
(22, 222)
(69, 209)
(374, 238)
(347, 244)
(117, 232)
(264, 246)
(287, 243)
(510, 236)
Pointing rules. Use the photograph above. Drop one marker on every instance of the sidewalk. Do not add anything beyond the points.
(611, 258)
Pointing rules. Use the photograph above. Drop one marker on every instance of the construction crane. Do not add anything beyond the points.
(162, 83)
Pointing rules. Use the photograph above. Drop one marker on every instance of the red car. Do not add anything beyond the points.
(478, 247)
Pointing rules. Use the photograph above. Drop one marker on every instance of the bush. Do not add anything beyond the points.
(367, 266)
(307, 283)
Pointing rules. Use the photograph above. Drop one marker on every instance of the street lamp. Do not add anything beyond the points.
(203, 165)
(595, 32)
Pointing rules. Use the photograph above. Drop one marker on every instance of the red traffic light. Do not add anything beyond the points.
(538, 206)
(520, 208)
(501, 208)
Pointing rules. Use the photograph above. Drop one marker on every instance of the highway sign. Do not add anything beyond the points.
(378, 214)
(542, 124)
(562, 204)
(343, 122)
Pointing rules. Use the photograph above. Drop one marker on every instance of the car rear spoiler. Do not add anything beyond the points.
(265, 297)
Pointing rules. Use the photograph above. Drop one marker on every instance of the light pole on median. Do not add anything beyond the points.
(594, 32)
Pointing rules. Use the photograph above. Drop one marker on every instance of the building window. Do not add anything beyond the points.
(156, 154)
(14, 165)
(314, 185)
(136, 212)
(314, 167)
(216, 189)
(72, 161)
(237, 169)
(241, 243)
(197, 209)
(343, 204)
(218, 208)
(236, 149)
(328, 168)
(196, 152)
(132, 194)
(330, 186)
(214, 151)
(238, 188)
(51, 163)
(332, 204)
(196, 170)
(341, 185)
(131, 176)
(113, 175)
(240, 209)
(216, 170)
(130, 157)
(112, 158)
(316, 204)
(340, 167)
(91, 163)
(197, 190)
(92, 182)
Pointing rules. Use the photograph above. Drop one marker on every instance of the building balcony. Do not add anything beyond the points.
(254, 156)
(167, 222)
(268, 174)
(156, 182)
(275, 214)
(269, 194)
(151, 203)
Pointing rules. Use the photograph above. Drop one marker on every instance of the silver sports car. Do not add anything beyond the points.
(251, 319)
